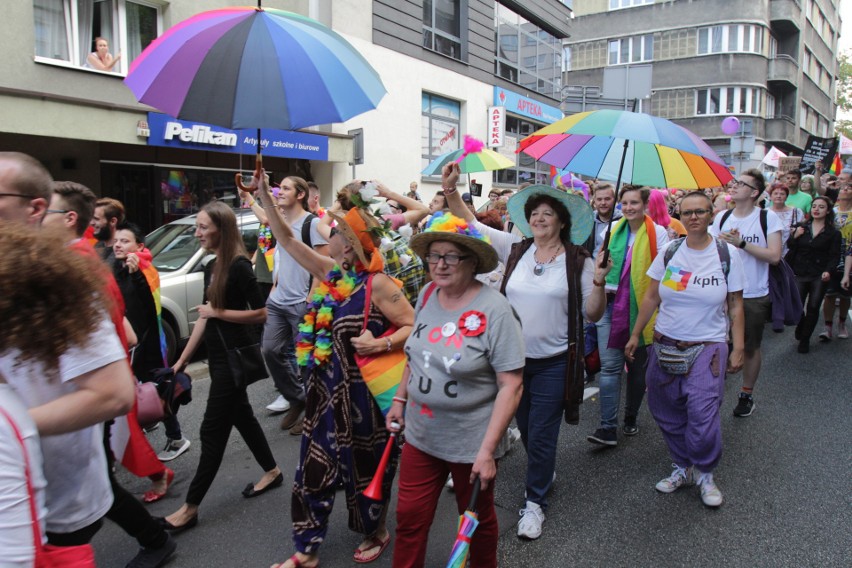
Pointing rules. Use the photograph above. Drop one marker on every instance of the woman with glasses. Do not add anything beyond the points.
(459, 392)
(344, 430)
(693, 279)
(553, 284)
(814, 250)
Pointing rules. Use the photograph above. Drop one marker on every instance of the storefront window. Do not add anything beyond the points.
(527, 169)
(65, 30)
(440, 127)
(185, 191)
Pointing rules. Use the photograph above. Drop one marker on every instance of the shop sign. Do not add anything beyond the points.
(524, 106)
(174, 133)
(496, 126)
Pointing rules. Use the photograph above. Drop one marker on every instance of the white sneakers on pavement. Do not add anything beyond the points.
(173, 449)
(532, 517)
(279, 405)
(710, 494)
(680, 477)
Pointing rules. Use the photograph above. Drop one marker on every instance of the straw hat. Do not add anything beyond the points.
(582, 216)
(449, 228)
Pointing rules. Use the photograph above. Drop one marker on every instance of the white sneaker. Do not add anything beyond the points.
(514, 436)
(173, 449)
(710, 494)
(280, 405)
(841, 330)
(531, 519)
(449, 484)
(679, 477)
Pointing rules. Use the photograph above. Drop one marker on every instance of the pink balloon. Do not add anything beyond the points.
(731, 125)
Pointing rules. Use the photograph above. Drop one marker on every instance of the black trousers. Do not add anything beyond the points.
(227, 408)
(128, 512)
(76, 538)
(812, 291)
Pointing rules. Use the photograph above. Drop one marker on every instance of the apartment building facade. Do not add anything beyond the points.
(770, 63)
(444, 64)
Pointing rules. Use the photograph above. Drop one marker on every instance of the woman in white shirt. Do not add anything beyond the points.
(537, 270)
(701, 277)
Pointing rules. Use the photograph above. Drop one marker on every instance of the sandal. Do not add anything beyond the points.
(375, 542)
(296, 563)
(152, 496)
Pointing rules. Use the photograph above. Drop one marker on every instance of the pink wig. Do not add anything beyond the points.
(657, 208)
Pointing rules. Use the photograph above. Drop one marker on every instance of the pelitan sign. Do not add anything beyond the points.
(175, 133)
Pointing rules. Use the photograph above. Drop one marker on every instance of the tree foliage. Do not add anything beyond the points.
(843, 92)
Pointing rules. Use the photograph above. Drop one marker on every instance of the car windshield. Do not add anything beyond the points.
(172, 246)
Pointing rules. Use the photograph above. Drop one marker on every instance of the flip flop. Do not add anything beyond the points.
(250, 491)
(375, 542)
(295, 560)
(152, 496)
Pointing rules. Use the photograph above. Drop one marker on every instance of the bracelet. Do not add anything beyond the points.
(390, 345)
(449, 190)
(253, 203)
(599, 284)
(401, 400)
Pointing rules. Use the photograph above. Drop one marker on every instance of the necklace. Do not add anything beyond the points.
(539, 266)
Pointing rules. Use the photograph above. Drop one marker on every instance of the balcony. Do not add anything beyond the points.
(785, 16)
(784, 71)
(782, 130)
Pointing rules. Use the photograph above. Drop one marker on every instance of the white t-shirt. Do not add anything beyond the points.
(693, 289)
(78, 490)
(16, 531)
(756, 271)
(293, 280)
(541, 301)
(662, 241)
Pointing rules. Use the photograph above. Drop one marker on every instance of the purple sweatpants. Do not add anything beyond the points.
(686, 407)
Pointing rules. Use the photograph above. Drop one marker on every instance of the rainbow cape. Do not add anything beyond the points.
(153, 278)
(629, 273)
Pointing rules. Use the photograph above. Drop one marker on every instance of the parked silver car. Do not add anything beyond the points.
(180, 260)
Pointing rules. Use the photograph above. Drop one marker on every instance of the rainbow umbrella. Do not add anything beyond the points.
(484, 160)
(467, 525)
(253, 67)
(628, 146)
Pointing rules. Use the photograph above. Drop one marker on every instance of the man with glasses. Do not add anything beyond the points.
(759, 244)
(25, 187)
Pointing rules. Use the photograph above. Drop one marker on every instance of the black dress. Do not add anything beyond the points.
(228, 406)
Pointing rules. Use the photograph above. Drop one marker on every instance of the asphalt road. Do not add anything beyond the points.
(784, 475)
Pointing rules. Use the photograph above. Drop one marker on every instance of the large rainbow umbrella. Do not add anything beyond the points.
(626, 146)
(253, 67)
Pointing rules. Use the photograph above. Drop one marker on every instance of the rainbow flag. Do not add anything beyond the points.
(153, 278)
(836, 165)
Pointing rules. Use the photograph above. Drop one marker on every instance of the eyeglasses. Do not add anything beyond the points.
(60, 211)
(694, 213)
(449, 259)
(333, 232)
(745, 183)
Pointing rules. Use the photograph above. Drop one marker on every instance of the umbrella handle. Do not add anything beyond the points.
(474, 495)
(258, 169)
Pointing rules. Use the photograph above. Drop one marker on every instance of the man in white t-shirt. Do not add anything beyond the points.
(758, 248)
(287, 304)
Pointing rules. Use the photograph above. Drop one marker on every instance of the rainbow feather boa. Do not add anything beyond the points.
(314, 343)
(448, 223)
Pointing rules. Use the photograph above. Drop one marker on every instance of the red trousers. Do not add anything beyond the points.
(421, 480)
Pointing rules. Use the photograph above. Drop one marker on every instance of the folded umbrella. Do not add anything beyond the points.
(467, 525)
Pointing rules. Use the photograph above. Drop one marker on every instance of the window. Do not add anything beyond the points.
(770, 106)
(526, 54)
(618, 4)
(65, 30)
(441, 124)
(803, 116)
(728, 100)
(442, 27)
(631, 50)
(732, 38)
(527, 169)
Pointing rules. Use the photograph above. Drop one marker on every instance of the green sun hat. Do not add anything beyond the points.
(582, 216)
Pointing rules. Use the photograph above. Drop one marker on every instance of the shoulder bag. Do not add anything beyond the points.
(47, 555)
(246, 363)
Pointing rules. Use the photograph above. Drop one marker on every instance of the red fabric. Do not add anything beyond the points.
(421, 480)
(128, 442)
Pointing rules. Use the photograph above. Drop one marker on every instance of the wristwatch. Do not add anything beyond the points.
(743, 244)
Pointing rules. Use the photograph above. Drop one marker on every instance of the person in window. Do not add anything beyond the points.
(101, 59)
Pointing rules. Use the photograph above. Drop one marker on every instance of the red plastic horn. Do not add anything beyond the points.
(374, 490)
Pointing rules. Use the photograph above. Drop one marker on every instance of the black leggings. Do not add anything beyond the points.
(812, 291)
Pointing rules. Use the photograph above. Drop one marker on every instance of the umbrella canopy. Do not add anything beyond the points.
(483, 161)
(247, 67)
(467, 525)
(658, 152)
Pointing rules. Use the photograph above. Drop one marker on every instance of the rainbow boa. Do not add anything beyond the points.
(448, 223)
(153, 278)
(266, 245)
(630, 275)
(314, 343)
